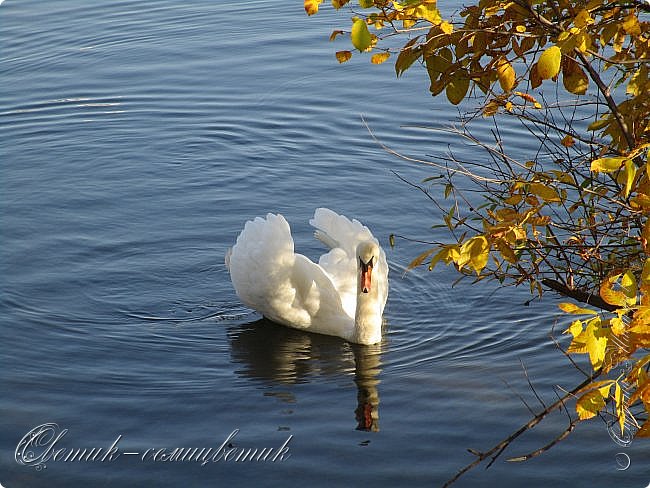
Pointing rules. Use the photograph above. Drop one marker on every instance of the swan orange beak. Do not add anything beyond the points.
(366, 276)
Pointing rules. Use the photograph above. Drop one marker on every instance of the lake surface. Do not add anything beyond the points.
(136, 140)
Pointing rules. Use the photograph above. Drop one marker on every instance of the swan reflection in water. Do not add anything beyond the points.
(280, 355)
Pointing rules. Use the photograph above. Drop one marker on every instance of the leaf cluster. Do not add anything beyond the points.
(574, 217)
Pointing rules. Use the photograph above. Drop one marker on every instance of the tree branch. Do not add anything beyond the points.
(581, 296)
(496, 450)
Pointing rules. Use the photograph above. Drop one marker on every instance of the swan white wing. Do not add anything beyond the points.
(336, 230)
(342, 236)
(284, 286)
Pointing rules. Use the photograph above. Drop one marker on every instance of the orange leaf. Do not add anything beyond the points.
(335, 34)
(379, 58)
(343, 56)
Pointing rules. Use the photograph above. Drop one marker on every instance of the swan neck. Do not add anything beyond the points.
(367, 321)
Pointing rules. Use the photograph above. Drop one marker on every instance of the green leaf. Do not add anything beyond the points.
(573, 77)
(360, 35)
(457, 88)
(599, 124)
(545, 192)
(407, 57)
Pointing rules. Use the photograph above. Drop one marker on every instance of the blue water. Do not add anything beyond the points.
(136, 139)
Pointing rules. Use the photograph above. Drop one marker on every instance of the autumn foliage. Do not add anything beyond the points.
(574, 216)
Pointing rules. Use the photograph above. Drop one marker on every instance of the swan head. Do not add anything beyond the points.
(367, 256)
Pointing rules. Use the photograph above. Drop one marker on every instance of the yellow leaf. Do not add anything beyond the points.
(447, 254)
(607, 165)
(457, 88)
(618, 325)
(490, 109)
(446, 27)
(638, 81)
(366, 3)
(583, 41)
(619, 39)
(611, 296)
(583, 19)
(545, 192)
(548, 64)
(629, 288)
(595, 339)
(343, 56)
(514, 199)
(620, 406)
(576, 310)
(645, 274)
(644, 431)
(506, 75)
(631, 25)
(379, 58)
(592, 402)
(575, 329)
(429, 11)
(311, 6)
(608, 33)
(420, 259)
(360, 35)
(573, 77)
(475, 252)
(505, 250)
(628, 175)
(337, 4)
(520, 28)
(599, 124)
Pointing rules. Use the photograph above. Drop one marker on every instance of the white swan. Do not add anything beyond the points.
(343, 295)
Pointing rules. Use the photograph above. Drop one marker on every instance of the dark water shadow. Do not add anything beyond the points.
(280, 355)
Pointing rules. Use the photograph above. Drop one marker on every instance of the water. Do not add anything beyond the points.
(136, 140)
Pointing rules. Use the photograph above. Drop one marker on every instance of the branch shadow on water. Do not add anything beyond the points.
(279, 355)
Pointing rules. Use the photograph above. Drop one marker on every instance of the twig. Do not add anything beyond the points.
(545, 448)
(496, 450)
